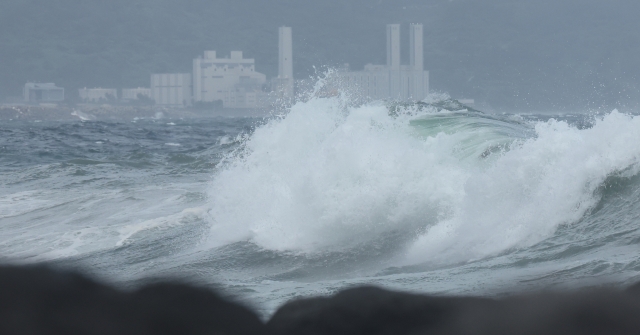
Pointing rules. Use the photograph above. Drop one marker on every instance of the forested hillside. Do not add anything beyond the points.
(507, 54)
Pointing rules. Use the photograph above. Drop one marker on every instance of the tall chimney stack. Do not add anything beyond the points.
(393, 46)
(285, 61)
(285, 54)
(416, 47)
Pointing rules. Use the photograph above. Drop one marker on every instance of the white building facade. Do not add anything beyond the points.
(97, 95)
(171, 89)
(233, 80)
(394, 81)
(129, 94)
(42, 92)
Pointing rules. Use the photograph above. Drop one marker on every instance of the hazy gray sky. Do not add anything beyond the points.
(507, 54)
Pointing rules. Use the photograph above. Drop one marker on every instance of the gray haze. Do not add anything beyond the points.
(509, 55)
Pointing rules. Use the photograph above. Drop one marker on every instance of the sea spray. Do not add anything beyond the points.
(455, 186)
(329, 176)
(524, 195)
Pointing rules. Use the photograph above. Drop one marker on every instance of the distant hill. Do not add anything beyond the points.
(506, 54)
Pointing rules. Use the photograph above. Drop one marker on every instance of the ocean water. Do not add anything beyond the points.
(329, 195)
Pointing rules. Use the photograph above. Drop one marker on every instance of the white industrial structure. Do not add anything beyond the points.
(98, 94)
(43, 92)
(394, 81)
(171, 89)
(284, 82)
(129, 94)
(233, 80)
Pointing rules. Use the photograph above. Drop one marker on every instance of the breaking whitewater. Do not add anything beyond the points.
(430, 197)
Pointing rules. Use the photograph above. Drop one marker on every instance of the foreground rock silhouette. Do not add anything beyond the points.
(370, 310)
(40, 300)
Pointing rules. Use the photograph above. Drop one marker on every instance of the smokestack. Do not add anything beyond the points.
(285, 53)
(393, 46)
(416, 47)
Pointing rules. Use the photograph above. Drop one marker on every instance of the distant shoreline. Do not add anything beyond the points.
(116, 113)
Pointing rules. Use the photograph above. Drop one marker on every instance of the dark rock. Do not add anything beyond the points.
(39, 300)
(181, 309)
(368, 310)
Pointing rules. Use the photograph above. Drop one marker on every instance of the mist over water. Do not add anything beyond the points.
(328, 195)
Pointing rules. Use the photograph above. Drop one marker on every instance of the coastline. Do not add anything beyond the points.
(116, 113)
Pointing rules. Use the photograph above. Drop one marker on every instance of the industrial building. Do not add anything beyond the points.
(171, 89)
(232, 80)
(42, 92)
(130, 94)
(98, 95)
(393, 81)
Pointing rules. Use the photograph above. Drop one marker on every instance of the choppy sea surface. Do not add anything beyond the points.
(327, 196)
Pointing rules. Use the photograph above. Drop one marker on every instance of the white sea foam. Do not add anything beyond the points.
(23, 202)
(164, 222)
(529, 191)
(328, 177)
